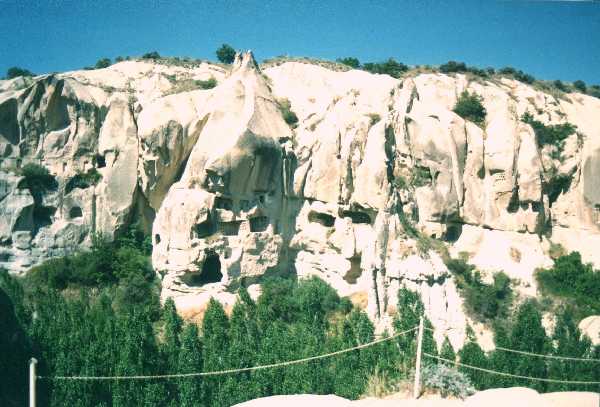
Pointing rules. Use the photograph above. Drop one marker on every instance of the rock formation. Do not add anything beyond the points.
(374, 169)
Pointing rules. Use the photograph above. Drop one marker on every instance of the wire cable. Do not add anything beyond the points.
(539, 355)
(230, 371)
(539, 379)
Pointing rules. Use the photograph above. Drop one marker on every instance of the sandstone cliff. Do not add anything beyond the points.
(374, 168)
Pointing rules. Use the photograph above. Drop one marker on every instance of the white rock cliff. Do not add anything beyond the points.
(232, 194)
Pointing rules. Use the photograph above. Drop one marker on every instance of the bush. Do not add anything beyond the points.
(83, 180)
(38, 178)
(16, 71)
(350, 61)
(517, 74)
(580, 86)
(151, 55)
(207, 84)
(103, 63)
(549, 135)
(559, 85)
(226, 54)
(453, 66)
(573, 281)
(483, 301)
(469, 107)
(390, 67)
(447, 380)
(594, 91)
(288, 115)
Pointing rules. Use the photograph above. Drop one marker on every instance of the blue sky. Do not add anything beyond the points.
(549, 39)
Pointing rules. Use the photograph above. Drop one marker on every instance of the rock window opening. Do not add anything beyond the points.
(259, 224)
(355, 271)
(230, 228)
(453, 232)
(204, 229)
(357, 217)
(100, 161)
(322, 218)
(75, 212)
(157, 238)
(223, 203)
(210, 273)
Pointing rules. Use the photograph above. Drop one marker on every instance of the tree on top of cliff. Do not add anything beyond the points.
(226, 54)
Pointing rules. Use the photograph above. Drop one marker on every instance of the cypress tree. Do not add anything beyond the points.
(190, 361)
(528, 335)
(170, 346)
(472, 354)
(410, 309)
(569, 342)
(215, 327)
(447, 352)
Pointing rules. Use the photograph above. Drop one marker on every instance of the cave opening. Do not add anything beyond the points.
(453, 232)
(75, 212)
(204, 229)
(210, 273)
(357, 216)
(322, 218)
(259, 224)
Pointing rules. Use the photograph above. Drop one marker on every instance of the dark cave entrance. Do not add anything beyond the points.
(210, 273)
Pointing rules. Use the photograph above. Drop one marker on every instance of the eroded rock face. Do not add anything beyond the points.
(231, 193)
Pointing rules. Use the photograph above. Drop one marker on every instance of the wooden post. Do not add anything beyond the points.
(32, 378)
(417, 388)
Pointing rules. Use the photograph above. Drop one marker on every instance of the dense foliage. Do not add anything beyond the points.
(470, 107)
(226, 54)
(574, 282)
(83, 330)
(97, 314)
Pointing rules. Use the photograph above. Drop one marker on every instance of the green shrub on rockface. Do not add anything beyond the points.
(574, 282)
(83, 180)
(37, 178)
(483, 301)
(549, 135)
(469, 107)
(286, 110)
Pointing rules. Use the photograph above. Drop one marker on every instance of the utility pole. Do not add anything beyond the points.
(417, 388)
(32, 378)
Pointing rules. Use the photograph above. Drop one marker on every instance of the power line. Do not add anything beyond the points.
(229, 371)
(539, 379)
(539, 355)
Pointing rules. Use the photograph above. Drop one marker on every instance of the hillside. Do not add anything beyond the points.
(354, 192)
(283, 192)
